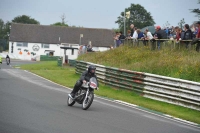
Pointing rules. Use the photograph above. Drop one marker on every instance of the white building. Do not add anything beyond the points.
(29, 41)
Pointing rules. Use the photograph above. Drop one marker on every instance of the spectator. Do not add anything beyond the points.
(132, 30)
(135, 34)
(80, 50)
(89, 48)
(84, 49)
(117, 40)
(198, 36)
(187, 34)
(159, 34)
(197, 39)
(167, 31)
(178, 34)
(147, 36)
(196, 30)
(140, 34)
(121, 37)
(128, 33)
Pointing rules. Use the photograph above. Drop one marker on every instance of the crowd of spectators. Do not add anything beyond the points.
(85, 48)
(173, 33)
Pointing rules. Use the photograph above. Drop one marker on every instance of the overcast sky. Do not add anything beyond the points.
(96, 13)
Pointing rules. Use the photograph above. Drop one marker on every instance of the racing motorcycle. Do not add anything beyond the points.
(85, 95)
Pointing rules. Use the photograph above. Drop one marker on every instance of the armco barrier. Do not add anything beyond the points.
(171, 90)
(72, 62)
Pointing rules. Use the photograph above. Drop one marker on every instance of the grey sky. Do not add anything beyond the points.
(96, 14)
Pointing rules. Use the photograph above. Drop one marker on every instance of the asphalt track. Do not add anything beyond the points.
(30, 104)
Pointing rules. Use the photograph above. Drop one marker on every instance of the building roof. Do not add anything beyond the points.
(33, 33)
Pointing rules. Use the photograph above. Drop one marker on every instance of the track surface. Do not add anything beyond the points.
(30, 104)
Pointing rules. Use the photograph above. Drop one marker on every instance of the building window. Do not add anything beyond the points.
(22, 44)
(45, 45)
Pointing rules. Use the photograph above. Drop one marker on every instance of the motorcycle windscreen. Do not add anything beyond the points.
(93, 83)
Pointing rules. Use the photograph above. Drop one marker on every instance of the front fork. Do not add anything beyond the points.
(87, 93)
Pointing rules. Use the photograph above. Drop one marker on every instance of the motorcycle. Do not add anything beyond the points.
(85, 95)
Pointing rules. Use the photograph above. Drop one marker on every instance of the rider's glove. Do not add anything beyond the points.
(84, 81)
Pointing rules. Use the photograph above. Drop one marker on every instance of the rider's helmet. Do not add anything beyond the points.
(91, 69)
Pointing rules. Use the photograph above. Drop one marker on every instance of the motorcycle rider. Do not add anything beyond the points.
(85, 77)
(7, 57)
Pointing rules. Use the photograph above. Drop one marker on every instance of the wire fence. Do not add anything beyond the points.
(158, 44)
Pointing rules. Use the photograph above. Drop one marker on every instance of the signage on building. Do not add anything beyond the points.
(36, 47)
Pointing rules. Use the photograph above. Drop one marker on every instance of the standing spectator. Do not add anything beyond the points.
(116, 37)
(80, 50)
(132, 30)
(178, 34)
(121, 37)
(196, 30)
(117, 40)
(148, 36)
(128, 34)
(84, 49)
(135, 34)
(167, 31)
(159, 34)
(89, 48)
(140, 34)
(187, 34)
(197, 39)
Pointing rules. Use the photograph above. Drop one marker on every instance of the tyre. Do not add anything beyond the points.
(70, 102)
(88, 101)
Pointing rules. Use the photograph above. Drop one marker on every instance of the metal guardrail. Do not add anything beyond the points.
(171, 90)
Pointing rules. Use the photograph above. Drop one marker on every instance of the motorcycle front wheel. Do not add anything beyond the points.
(88, 101)
(70, 102)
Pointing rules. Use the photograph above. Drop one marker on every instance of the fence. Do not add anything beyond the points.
(172, 44)
(171, 90)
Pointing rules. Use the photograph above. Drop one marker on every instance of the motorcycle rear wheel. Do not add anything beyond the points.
(70, 102)
(88, 101)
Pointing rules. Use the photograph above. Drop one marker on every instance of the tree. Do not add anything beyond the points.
(25, 20)
(197, 11)
(181, 23)
(116, 29)
(63, 17)
(167, 24)
(60, 24)
(138, 16)
(4, 34)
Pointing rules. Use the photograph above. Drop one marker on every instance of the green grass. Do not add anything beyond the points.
(66, 76)
(183, 64)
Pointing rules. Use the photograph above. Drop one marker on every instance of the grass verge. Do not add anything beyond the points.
(183, 64)
(66, 76)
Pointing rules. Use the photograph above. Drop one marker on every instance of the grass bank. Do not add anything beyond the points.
(66, 76)
(183, 64)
